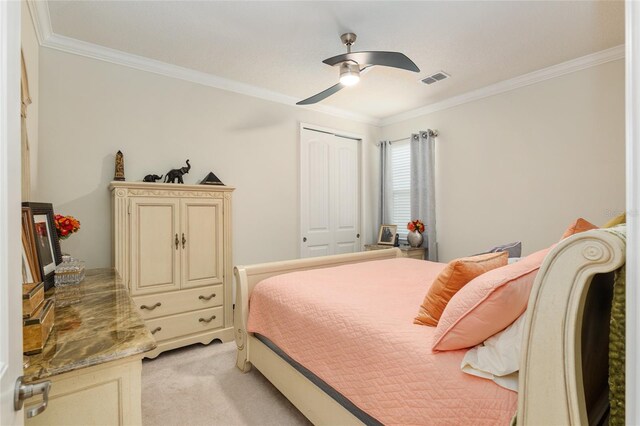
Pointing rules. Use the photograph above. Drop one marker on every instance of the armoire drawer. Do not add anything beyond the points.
(184, 324)
(162, 304)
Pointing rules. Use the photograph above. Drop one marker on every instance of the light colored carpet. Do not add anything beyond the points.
(200, 385)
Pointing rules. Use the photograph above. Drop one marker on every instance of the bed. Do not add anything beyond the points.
(346, 351)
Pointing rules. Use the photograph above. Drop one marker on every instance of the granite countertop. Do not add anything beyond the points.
(100, 325)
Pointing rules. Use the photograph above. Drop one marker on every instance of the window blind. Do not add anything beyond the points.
(400, 169)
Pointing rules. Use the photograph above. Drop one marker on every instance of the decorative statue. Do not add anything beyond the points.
(176, 174)
(211, 179)
(152, 178)
(119, 174)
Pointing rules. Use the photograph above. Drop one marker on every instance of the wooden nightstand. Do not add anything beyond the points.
(407, 251)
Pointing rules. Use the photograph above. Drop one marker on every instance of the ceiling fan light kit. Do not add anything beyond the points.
(349, 73)
(350, 63)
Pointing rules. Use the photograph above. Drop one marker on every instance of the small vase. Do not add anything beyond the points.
(415, 239)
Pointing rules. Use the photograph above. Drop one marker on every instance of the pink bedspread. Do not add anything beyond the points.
(352, 326)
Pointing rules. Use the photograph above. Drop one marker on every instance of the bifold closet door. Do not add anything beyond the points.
(329, 194)
(155, 245)
(202, 239)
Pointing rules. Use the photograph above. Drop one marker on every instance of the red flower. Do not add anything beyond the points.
(66, 225)
(416, 225)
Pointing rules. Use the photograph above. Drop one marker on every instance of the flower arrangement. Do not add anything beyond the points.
(66, 225)
(416, 225)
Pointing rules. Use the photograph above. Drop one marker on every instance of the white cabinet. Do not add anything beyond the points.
(172, 246)
(202, 242)
(155, 249)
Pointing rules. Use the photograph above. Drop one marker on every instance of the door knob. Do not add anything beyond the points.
(23, 392)
(357, 235)
(304, 239)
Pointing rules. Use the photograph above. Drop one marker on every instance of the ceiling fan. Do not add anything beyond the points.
(351, 62)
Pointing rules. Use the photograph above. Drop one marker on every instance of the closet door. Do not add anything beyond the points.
(155, 249)
(329, 194)
(201, 240)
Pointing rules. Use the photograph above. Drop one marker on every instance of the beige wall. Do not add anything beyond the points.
(31, 49)
(523, 164)
(515, 166)
(90, 109)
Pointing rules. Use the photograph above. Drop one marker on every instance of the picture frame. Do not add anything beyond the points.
(387, 234)
(45, 236)
(29, 253)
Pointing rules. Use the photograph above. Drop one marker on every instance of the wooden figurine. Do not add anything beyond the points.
(176, 174)
(119, 174)
(152, 178)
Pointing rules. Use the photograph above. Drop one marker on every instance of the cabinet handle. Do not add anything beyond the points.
(184, 240)
(207, 298)
(155, 330)
(177, 242)
(207, 320)
(151, 308)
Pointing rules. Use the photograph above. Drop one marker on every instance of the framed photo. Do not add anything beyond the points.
(387, 234)
(46, 240)
(29, 253)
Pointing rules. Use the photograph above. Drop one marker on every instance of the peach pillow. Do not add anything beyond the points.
(488, 304)
(580, 225)
(451, 279)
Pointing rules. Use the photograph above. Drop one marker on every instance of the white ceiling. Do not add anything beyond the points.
(280, 46)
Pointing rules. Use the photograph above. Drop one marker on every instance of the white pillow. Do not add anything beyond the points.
(498, 358)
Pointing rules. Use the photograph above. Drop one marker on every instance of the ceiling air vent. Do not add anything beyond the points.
(434, 78)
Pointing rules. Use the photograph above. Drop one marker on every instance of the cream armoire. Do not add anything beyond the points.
(172, 248)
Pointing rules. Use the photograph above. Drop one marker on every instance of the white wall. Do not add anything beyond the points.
(90, 109)
(31, 49)
(523, 164)
(516, 166)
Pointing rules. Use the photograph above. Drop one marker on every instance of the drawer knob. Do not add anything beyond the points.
(207, 298)
(207, 320)
(155, 330)
(151, 308)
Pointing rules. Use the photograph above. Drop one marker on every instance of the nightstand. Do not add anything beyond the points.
(407, 251)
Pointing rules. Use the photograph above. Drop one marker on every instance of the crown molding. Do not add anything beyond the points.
(90, 50)
(39, 10)
(534, 77)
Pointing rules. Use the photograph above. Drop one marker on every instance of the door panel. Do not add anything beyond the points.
(156, 258)
(202, 251)
(10, 221)
(346, 199)
(315, 192)
(329, 194)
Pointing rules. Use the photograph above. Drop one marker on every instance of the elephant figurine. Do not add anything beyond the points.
(152, 178)
(176, 174)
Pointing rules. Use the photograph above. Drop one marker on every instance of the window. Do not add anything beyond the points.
(400, 169)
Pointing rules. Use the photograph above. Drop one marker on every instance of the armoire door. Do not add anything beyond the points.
(201, 240)
(155, 245)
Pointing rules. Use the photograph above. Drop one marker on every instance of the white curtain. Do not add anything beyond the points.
(423, 185)
(386, 183)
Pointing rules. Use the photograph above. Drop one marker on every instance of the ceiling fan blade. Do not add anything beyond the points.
(385, 59)
(322, 95)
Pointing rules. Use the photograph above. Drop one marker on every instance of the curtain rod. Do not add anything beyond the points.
(432, 133)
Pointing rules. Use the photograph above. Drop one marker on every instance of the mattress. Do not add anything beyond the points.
(352, 327)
